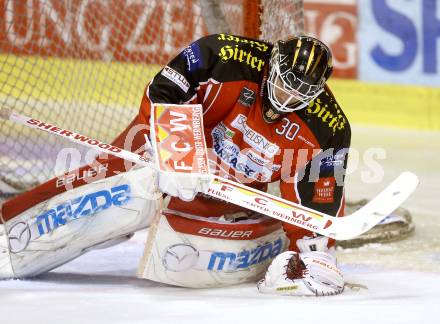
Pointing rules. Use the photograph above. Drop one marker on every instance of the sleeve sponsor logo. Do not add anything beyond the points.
(247, 97)
(320, 110)
(253, 138)
(193, 57)
(234, 53)
(331, 162)
(262, 47)
(324, 190)
(176, 78)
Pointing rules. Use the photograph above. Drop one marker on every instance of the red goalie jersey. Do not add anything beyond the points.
(305, 150)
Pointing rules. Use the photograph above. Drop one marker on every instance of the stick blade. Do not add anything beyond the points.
(378, 208)
(396, 193)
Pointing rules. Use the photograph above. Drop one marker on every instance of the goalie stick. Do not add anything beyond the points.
(343, 228)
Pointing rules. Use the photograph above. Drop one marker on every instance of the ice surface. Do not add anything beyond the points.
(403, 278)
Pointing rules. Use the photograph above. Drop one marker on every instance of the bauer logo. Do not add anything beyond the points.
(229, 261)
(83, 206)
(88, 175)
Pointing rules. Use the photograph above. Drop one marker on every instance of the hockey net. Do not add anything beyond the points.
(83, 65)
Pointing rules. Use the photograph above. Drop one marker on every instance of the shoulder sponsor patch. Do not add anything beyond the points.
(176, 78)
(328, 112)
(247, 97)
(193, 57)
(324, 190)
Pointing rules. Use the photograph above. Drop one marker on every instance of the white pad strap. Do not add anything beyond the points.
(309, 244)
(183, 185)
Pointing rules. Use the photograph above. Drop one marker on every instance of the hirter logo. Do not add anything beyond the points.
(324, 190)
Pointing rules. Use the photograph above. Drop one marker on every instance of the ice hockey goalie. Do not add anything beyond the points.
(268, 116)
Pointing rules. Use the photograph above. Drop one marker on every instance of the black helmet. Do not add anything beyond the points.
(299, 68)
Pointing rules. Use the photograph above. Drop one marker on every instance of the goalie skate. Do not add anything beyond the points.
(395, 227)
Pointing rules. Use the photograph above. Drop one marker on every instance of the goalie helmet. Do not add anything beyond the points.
(299, 68)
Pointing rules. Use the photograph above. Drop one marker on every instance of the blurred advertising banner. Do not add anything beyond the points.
(399, 41)
(372, 40)
(135, 31)
(335, 23)
(149, 31)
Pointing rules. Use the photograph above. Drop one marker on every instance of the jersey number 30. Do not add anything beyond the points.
(287, 129)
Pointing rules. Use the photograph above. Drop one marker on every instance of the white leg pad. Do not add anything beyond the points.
(6, 270)
(189, 251)
(66, 226)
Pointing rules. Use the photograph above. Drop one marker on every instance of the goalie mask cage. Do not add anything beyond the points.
(83, 65)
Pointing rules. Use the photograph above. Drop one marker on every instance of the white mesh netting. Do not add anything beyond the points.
(83, 65)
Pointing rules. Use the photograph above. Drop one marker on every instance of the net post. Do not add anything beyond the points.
(251, 18)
